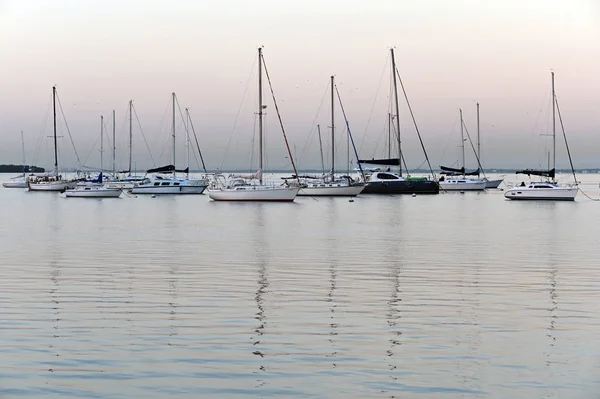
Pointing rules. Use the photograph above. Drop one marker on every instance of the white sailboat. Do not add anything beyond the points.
(549, 189)
(251, 187)
(21, 180)
(331, 185)
(457, 179)
(165, 180)
(52, 181)
(95, 189)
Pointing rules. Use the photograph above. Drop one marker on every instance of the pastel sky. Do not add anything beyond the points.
(450, 55)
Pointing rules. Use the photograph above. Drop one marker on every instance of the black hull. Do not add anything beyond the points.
(402, 187)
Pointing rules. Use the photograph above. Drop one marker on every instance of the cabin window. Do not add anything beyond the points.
(386, 176)
(542, 187)
(157, 184)
(176, 184)
(164, 184)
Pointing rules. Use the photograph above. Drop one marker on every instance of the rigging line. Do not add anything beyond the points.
(38, 146)
(280, 121)
(68, 131)
(197, 145)
(143, 135)
(385, 66)
(473, 148)
(565, 137)
(350, 133)
(402, 159)
(415, 122)
(237, 116)
(90, 153)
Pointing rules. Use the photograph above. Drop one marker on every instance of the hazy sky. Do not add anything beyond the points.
(450, 54)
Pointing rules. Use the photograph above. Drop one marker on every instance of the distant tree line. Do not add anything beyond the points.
(20, 169)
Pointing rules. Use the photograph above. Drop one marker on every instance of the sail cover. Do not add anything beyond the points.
(386, 161)
(256, 176)
(162, 169)
(452, 171)
(529, 172)
(473, 173)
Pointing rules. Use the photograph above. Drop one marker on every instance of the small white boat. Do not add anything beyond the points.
(542, 191)
(50, 183)
(170, 185)
(324, 188)
(93, 190)
(239, 190)
(461, 184)
(16, 182)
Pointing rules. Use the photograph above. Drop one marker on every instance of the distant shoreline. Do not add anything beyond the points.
(10, 168)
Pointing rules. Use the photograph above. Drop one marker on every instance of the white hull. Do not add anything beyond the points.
(326, 190)
(123, 185)
(473, 185)
(549, 194)
(60, 185)
(493, 183)
(93, 192)
(15, 184)
(168, 189)
(254, 193)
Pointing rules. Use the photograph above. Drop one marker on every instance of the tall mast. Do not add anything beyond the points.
(23, 151)
(187, 132)
(321, 148)
(389, 135)
(114, 151)
(553, 124)
(332, 131)
(462, 138)
(101, 143)
(130, 134)
(55, 145)
(478, 138)
(397, 112)
(260, 114)
(173, 130)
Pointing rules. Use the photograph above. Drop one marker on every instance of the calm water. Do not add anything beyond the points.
(452, 296)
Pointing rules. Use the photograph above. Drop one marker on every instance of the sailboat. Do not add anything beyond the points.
(488, 183)
(331, 185)
(52, 181)
(165, 180)
(250, 187)
(386, 182)
(549, 189)
(95, 188)
(21, 180)
(457, 178)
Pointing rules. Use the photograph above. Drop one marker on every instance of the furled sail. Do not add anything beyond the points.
(473, 173)
(452, 171)
(545, 173)
(385, 161)
(162, 169)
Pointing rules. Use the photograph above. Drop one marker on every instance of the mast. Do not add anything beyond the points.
(101, 143)
(23, 152)
(173, 130)
(130, 134)
(478, 138)
(321, 148)
(187, 131)
(114, 148)
(462, 138)
(553, 124)
(260, 115)
(397, 113)
(55, 144)
(332, 131)
(389, 135)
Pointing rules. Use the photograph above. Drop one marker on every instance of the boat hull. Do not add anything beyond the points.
(469, 186)
(493, 183)
(15, 184)
(542, 194)
(60, 185)
(254, 193)
(195, 189)
(331, 190)
(402, 187)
